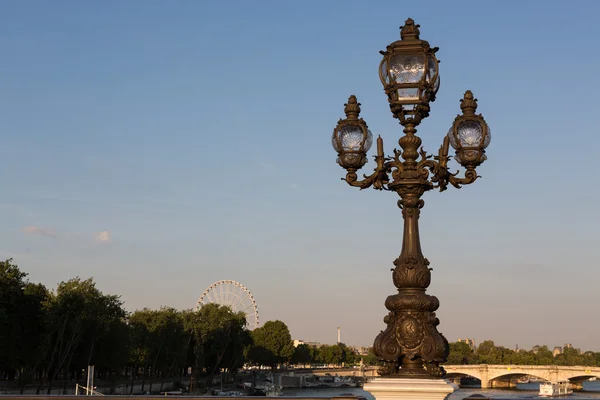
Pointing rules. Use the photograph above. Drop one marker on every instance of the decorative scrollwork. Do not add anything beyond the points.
(431, 172)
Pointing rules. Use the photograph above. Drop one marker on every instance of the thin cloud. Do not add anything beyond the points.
(103, 237)
(36, 230)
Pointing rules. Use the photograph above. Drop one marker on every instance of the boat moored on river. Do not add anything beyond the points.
(329, 381)
(554, 389)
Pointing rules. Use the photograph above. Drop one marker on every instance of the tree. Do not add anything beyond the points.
(22, 317)
(488, 353)
(219, 337)
(370, 358)
(78, 315)
(12, 285)
(524, 358)
(273, 344)
(349, 355)
(32, 343)
(302, 355)
(543, 356)
(140, 344)
(569, 357)
(461, 353)
(336, 354)
(332, 354)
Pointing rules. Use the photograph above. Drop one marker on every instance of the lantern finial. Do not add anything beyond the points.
(409, 30)
(352, 108)
(468, 104)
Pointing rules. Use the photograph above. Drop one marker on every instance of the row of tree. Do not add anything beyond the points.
(488, 353)
(337, 354)
(50, 337)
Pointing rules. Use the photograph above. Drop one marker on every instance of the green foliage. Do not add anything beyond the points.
(488, 353)
(302, 355)
(158, 340)
(370, 358)
(336, 354)
(272, 344)
(219, 337)
(461, 353)
(22, 318)
(55, 335)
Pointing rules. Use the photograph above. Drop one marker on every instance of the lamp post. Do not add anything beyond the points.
(411, 346)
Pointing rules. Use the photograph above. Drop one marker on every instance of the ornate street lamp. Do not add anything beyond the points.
(411, 346)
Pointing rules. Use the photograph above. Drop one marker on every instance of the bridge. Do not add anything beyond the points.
(506, 375)
(491, 376)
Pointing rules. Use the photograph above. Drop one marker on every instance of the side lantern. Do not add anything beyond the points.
(352, 138)
(469, 134)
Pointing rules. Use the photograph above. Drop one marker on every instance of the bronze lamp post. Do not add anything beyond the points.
(411, 346)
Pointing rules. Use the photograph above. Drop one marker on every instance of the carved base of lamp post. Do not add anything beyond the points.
(410, 389)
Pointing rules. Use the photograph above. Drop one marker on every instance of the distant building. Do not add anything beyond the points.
(536, 348)
(361, 350)
(311, 344)
(570, 346)
(518, 350)
(557, 350)
(470, 342)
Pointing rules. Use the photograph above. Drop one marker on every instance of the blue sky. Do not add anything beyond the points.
(161, 146)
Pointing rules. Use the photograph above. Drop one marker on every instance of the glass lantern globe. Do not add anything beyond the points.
(352, 144)
(409, 72)
(351, 138)
(470, 134)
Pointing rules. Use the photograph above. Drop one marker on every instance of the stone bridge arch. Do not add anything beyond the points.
(500, 375)
(459, 371)
(578, 375)
(517, 371)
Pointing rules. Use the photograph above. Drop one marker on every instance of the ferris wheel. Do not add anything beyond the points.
(234, 295)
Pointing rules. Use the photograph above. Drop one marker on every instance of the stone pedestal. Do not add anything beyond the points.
(410, 389)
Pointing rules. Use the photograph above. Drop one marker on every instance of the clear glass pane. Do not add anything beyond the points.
(368, 141)
(351, 138)
(407, 68)
(384, 71)
(409, 108)
(408, 94)
(470, 134)
(488, 138)
(432, 67)
(452, 138)
(334, 142)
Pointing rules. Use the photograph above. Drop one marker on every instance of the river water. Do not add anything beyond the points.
(591, 390)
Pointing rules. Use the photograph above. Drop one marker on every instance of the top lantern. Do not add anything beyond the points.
(410, 75)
